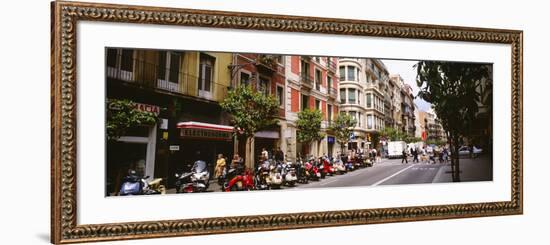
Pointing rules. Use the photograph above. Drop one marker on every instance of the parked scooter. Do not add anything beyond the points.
(327, 168)
(133, 184)
(262, 176)
(301, 172)
(339, 167)
(313, 170)
(289, 173)
(239, 179)
(275, 179)
(349, 166)
(194, 181)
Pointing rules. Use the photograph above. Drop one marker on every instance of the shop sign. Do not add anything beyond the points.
(174, 147)
(205, 134)
(147, 108)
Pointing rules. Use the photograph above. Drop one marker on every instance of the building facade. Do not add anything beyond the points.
(362, 93)
(264, 73)
(184, 90)
(311, 83)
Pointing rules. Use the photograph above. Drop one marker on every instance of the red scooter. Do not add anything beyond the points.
(239, 180)
(314, 173)
(327, 167)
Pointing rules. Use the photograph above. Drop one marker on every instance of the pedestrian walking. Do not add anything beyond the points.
(220, 166)
(404, 156)
(415, 155)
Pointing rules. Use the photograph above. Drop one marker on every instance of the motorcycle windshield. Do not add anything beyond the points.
(130, 188)
(199, 167)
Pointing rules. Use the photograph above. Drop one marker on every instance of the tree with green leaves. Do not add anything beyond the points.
(251, 112)
(391, 134)
(342, 127)
(123, 115)
(308, 126)
(453, 90)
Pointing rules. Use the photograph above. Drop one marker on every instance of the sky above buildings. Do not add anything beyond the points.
(408, 73)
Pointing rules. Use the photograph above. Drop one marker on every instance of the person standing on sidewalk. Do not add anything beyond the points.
(220, 166)
(404, 156)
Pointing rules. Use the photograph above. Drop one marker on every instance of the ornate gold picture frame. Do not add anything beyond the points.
(64, 188)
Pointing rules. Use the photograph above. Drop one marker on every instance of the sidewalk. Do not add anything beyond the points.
(477, 169)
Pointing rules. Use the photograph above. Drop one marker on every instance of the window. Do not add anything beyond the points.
(174, 67)
(351, 73)
(111, 57)
(280, 95)
(353, 114)
(329, 113)
(206, 72)
(305, 102)
(305, 68)
(317, 80)
(342, 96)
(318, 105)
(369, 100)
(351, 96)
(245, 79)
(264, 86)
(168, 66)
(369, 121)
(127, 60)
(122, 59)
(329, 83)
(359, 119)
(342, 73)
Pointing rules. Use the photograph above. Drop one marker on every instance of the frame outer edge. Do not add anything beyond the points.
(55, 137)
(520, 136)
(64, 227)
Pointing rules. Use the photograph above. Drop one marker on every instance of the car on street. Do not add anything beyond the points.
(464, 151)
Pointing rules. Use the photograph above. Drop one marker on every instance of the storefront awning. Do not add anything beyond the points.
(207, 126)
(205, 131)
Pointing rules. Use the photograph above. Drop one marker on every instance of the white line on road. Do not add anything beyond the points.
(391, 176)
(328, 182)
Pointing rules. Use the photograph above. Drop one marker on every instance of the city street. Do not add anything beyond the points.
(388, 172)
(393, 172)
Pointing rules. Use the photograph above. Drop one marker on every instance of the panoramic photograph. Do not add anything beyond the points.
(182, 121)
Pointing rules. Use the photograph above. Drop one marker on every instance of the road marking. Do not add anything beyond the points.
(328, 182)
(391, 176)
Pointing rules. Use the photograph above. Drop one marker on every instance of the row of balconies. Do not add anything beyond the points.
(151, 75)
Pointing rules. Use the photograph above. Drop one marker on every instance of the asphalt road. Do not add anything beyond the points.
(389, 172)
(393, 172)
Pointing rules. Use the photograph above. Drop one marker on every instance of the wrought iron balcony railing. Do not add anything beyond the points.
(150, 75)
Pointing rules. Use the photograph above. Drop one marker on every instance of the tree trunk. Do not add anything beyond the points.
(453, 154)
(456, 172)
(249, 153)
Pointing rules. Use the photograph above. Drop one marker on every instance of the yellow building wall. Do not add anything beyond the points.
(221, 74)
(147, 65)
